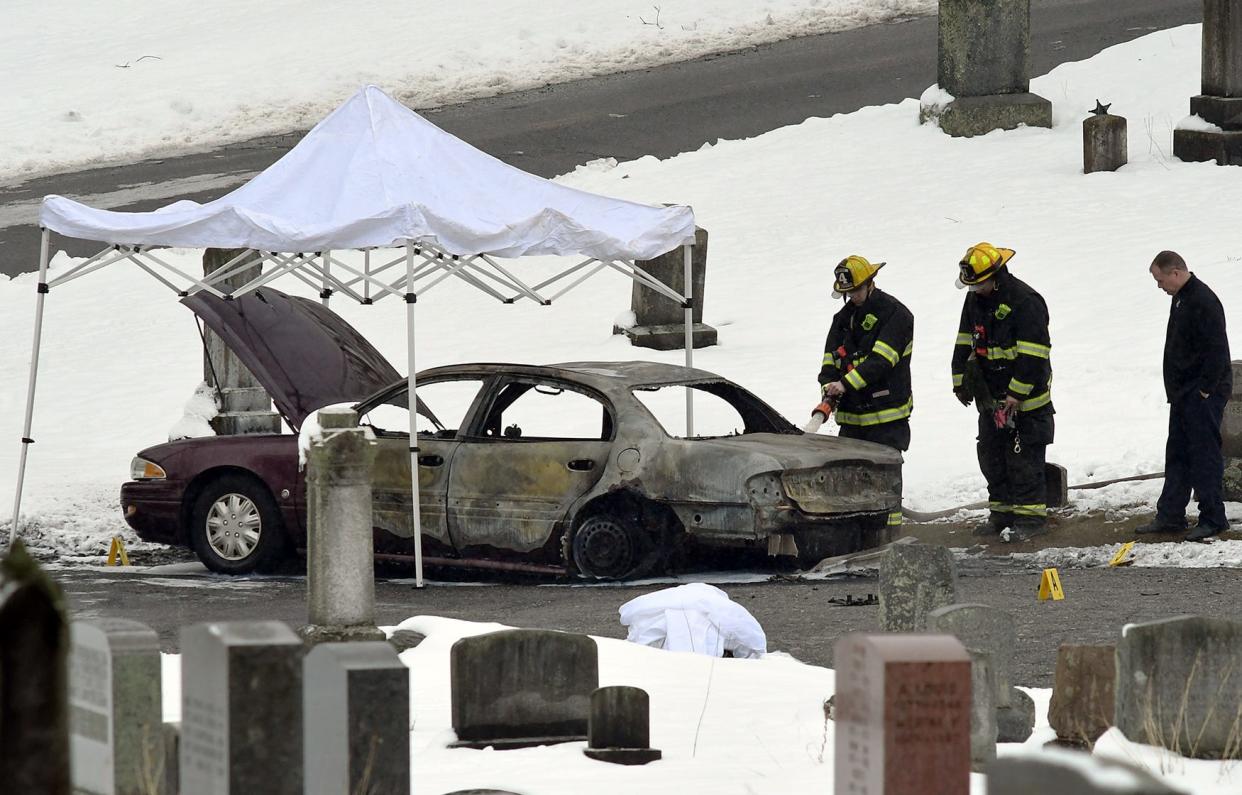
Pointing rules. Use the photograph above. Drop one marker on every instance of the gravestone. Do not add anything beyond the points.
(1104, 144)
(34, 645)
(659, 322)
(986, 629)
(1231, 438)
(983, 62)
(620, 727)
(1082, 694)
(241, 709)
(356, 710)
(902, 715)
(1066, 772)
(1056, 485)
(115, 708)
(522, 687)
(1179, 686)
(982, 709)
(340, 565)
(1217, 132)
(915, 579)
(245, 405)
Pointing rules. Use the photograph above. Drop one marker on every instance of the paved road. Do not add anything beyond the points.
(659, 111)
(797, 616)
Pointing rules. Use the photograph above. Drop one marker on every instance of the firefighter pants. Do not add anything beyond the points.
(893, 434)
(1012, 462)
(1193, 460)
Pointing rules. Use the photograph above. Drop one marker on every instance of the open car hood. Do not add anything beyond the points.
(305, 355)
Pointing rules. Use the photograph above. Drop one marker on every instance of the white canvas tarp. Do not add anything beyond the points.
(375, 174)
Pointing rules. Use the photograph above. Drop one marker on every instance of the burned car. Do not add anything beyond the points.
(582, 468)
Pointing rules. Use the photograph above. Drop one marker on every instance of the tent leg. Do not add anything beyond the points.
(411, 299)
(30, 388)
(689, 321)
(325, 292)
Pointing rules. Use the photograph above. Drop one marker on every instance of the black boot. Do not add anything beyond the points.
(1026, 528)
(1203, 531)
(995, 523)
(1159, 525)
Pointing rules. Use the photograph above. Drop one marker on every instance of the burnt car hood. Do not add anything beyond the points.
(304, 354)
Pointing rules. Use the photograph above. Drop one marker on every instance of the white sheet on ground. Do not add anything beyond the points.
(375, 173)
(698, 618)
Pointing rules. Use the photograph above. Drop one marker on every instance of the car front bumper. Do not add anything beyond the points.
(153, 509)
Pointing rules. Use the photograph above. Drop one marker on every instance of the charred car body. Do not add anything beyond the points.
(582, 467)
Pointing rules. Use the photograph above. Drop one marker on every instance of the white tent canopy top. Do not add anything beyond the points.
(376, 174)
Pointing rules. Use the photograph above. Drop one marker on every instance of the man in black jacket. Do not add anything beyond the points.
(1198, 379)
(1002, 362)
(866, 368)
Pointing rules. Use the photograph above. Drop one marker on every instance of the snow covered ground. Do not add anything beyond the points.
(87, 83)
(122, 358)
(727, 726)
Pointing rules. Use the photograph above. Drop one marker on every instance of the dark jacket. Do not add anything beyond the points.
(1196, 349)
(1008, 333)
(868, 349)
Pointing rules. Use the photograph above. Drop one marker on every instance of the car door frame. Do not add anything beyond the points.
(474, 434)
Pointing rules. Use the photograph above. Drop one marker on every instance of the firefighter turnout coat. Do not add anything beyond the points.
(1007, 331)
(868, 349)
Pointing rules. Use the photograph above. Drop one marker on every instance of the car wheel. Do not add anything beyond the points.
(235, 526)
(609, 546)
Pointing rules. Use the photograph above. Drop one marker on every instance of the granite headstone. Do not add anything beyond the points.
(915, 579)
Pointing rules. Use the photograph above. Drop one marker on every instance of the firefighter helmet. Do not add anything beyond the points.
(851, 273)
(981, 262)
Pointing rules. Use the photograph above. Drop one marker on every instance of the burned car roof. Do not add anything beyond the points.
(607, 377)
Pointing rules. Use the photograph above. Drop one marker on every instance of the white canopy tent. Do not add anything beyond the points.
(375, 175)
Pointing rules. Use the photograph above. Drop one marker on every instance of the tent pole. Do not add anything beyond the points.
(34, 374)
(411, 298)
(689, 321)
(325, 294)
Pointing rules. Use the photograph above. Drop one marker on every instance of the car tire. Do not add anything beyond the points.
(609, 545)
(235, 526)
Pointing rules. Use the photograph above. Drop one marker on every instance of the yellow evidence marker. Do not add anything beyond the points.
(117, 550)
(1120, 558)
(1050, 586)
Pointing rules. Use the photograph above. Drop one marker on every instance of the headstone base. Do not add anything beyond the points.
(313, 634)
(671, 337)
(624, 756)
(1224, 112)
(236, 423)
(966, 117)
(1016, 722)
(510, 743)
(1056, 485)
(1200, 146)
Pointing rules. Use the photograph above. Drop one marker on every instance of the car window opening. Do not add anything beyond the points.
(540, 411)
(721, 409)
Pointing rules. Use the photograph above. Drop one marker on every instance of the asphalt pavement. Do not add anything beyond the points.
(660, 111)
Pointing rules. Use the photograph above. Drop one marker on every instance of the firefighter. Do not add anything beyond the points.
(1002, 363)
(865, 376)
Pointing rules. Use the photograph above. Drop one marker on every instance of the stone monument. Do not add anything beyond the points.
(659, 322)
(356, 708)
(241, 709)
(1082, 693)
(340, 565)
(522, 687)
(1214, 129)
(1071, 773)
(1104, 145)
(34, 645)
(116, 709)
(1178, 685)
(983, 64)
(902, 712)
(915, 579)
(244, 405)
(620, 727)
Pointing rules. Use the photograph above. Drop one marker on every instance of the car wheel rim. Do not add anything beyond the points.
(233, 526)
(607, 550)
